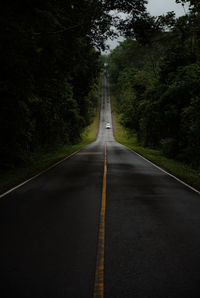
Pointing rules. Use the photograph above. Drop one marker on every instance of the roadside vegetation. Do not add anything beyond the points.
(156, 84)
(129, 139)
(50, 67)
(40, 161)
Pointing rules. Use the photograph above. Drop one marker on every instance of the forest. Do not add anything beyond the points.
(50, 66)
(155, 79)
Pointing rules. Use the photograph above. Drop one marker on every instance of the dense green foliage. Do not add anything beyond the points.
(42, 90)
(126, 137)
(157, 85)
(49, 56)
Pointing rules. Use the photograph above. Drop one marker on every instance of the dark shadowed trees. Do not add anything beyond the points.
(49, 56)
(161, 103)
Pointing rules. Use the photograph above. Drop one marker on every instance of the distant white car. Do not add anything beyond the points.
(108, 125)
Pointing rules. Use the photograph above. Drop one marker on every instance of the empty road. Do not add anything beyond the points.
(104, 210)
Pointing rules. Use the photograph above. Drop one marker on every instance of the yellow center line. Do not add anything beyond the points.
(99, 274)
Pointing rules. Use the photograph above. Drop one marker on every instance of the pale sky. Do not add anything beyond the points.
(156, 8)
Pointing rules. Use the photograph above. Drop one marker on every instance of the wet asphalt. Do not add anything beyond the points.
(49, 228)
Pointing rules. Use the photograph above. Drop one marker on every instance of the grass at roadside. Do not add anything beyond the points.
(41, 161)
(178, 169)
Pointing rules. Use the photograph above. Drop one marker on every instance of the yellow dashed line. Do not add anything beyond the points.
(99, 274)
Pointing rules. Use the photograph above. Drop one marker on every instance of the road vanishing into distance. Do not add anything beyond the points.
(102, 223)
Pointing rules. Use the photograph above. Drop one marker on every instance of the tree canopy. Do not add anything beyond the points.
(49, 57)
(157, 85)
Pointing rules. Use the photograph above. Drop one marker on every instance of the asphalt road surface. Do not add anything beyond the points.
(50, 226)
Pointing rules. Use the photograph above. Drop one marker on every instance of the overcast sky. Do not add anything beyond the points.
(156, 8)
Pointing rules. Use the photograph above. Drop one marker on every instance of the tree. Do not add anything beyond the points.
(161, 103)
(49, 67)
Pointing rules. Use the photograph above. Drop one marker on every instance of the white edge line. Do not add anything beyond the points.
(169, 174)
(37, 175)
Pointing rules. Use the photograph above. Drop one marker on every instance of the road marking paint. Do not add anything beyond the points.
(99, 274)
(21, 184)
(169, 174)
